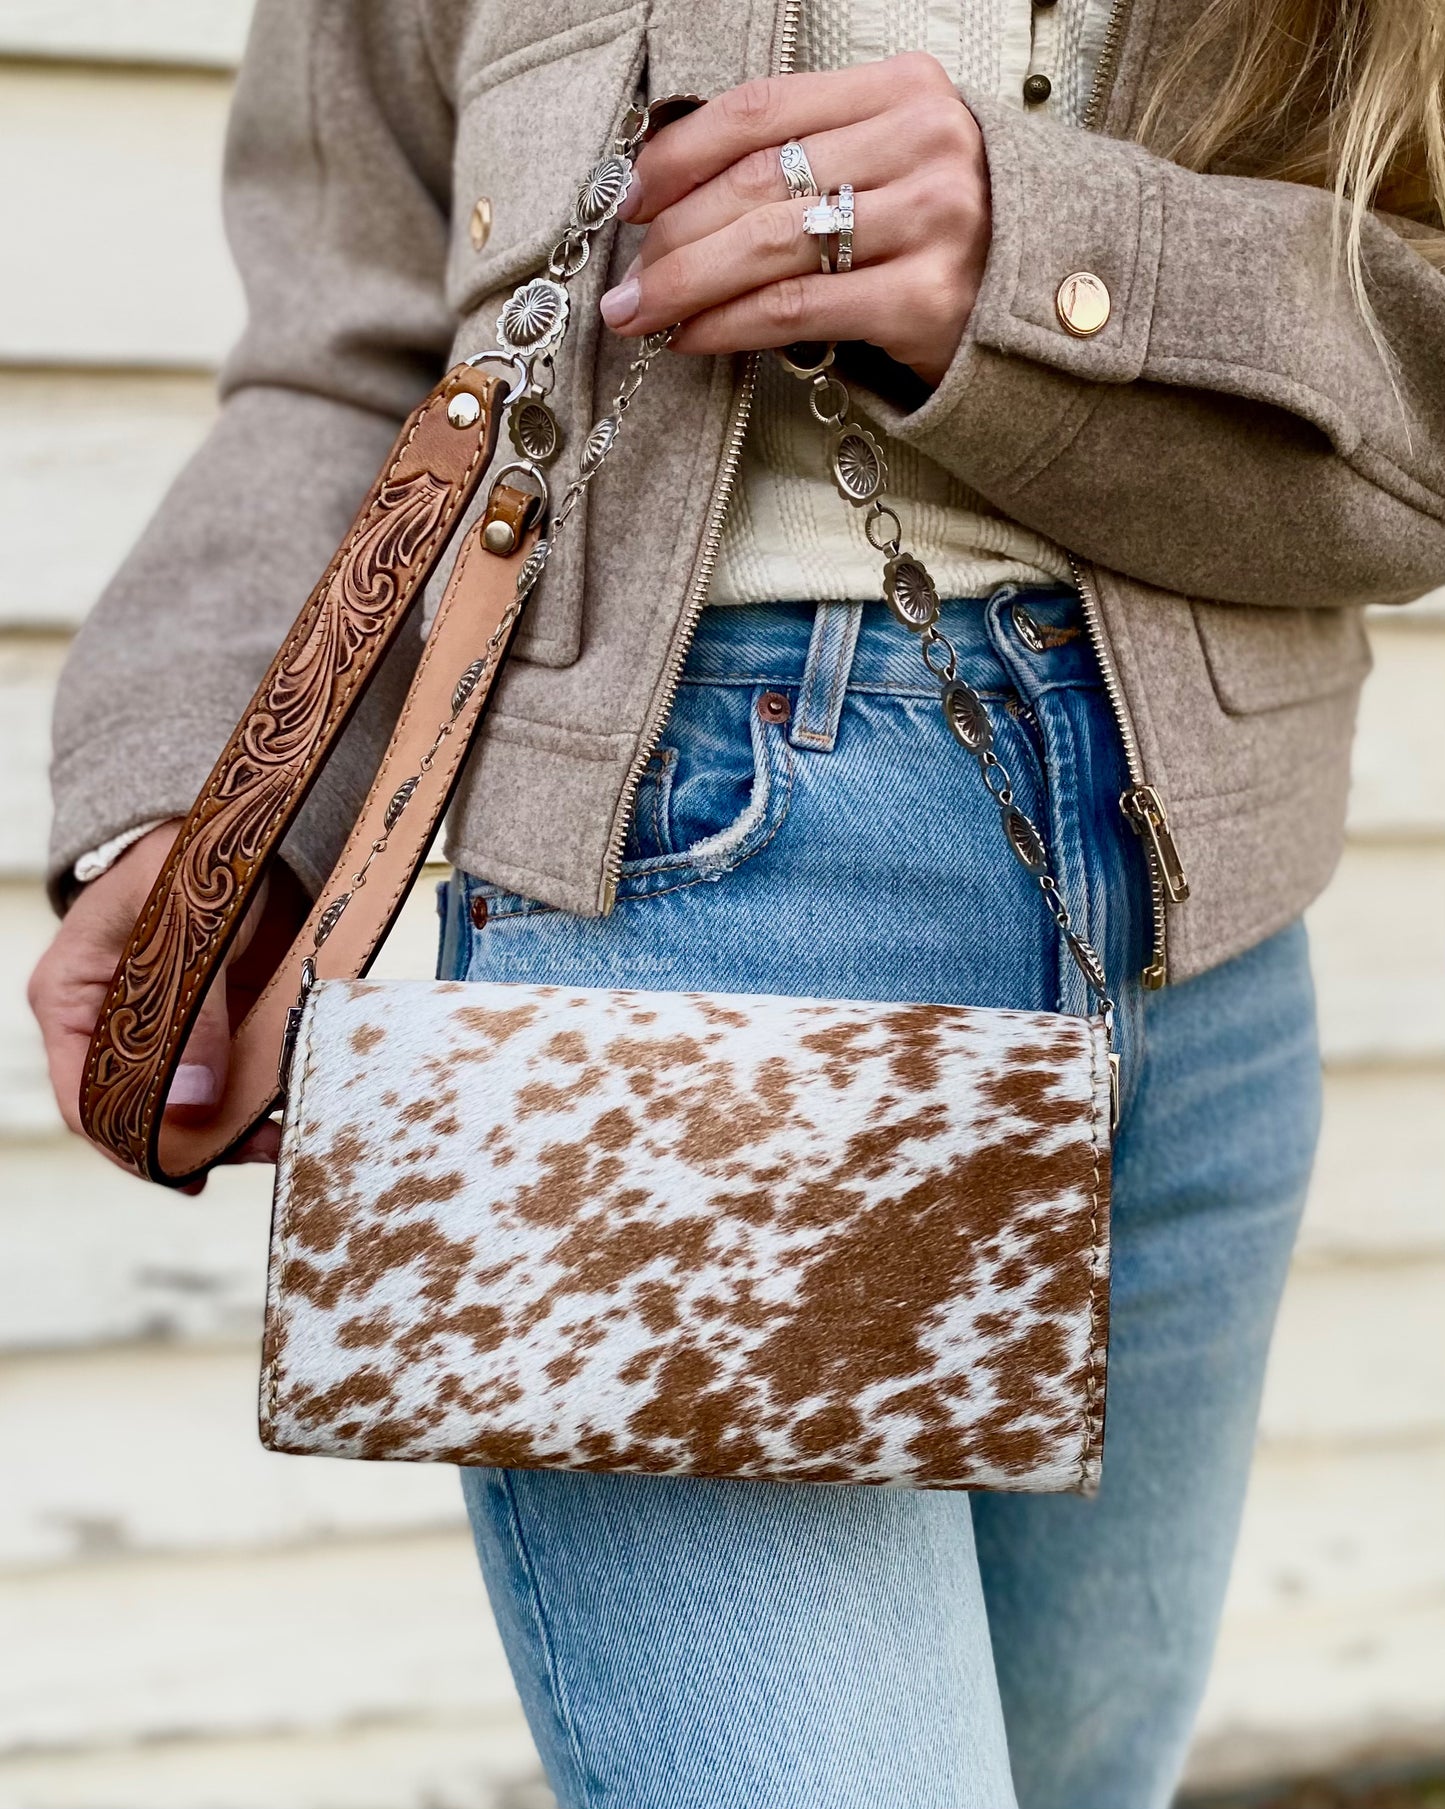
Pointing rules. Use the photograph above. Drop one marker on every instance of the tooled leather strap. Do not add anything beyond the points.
(460, 661)
(257, 786)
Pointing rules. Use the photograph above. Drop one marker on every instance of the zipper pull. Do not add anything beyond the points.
(1147, 817)
(1114, 1067)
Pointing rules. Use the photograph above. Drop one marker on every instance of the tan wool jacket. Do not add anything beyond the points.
(1231, 460)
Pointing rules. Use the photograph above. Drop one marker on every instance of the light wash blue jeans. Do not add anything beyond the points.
(809, 826)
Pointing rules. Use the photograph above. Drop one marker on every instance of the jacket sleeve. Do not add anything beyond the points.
(1234, 432)
(337, 201)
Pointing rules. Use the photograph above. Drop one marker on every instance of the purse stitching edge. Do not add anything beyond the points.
(1093, 1424)
(286, 1194)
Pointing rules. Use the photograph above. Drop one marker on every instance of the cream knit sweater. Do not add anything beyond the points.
(788, 534)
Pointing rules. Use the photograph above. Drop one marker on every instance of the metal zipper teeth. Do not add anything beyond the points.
(712, 542)
(1157, 972)
(697, 600)
(1104, 68)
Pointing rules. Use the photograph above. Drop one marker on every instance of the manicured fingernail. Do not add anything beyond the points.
(193, 1086)
(632, 200)
(620, 304)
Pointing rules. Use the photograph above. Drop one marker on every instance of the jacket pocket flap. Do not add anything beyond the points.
(1267, 659)
(530, 126)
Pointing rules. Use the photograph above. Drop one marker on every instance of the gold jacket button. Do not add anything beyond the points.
(1082, 301)
(481, 222)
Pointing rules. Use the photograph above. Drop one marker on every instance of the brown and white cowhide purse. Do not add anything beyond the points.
(800, 1239)
(803, 1239)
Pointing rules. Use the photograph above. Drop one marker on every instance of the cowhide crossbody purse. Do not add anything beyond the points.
(802, 1239)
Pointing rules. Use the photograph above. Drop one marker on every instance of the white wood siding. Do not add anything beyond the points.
(193, 1623)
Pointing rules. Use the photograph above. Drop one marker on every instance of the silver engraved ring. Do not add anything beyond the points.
(797, 171)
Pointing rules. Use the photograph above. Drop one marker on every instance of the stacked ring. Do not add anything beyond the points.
(833, 220)
(845, 226)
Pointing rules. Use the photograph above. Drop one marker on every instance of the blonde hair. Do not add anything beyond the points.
(1347, 95)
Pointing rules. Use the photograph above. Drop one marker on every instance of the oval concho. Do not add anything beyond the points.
(857, 464)
(534, 318)
(599, 443)
(603, 190)
(532, 568)
(1025, 841)
(967, 718)
(534, 431)
(910, 591)
(1088, 961)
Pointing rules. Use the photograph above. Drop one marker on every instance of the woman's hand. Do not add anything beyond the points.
(73, 976)
(725, 252)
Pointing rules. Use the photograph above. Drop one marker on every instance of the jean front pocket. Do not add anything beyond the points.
(715, 793)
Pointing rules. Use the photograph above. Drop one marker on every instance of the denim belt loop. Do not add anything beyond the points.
(825, 676)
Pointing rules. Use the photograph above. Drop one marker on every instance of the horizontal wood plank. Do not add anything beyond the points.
(1398, 769)
(1378, 933)
(1378, 1190)
(464, 1762)
(85, 457)
(1335, 1608)
(27, 1109)
(153, 1451)
(1358, 1358)
(202, 33)
(1397, 799)
(26, 926)
(29, 668)
(1378, 940)
(119, 217)
(1348, 1531)
(131, 1452)
(142, 1449)
(280, 1642)
(93, 1256)
(1320, 1692)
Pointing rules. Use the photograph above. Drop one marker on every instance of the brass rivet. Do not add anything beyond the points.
(1083, 303)
(774, 707)
(464, 410)
(478, 913)
(480, 226)
(499, 537)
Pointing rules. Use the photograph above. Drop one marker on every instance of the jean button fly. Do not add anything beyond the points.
(1028, 629)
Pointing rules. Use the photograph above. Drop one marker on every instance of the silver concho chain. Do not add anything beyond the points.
(531, 328)
(860, 473)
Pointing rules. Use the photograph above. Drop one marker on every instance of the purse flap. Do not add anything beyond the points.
(811, 1240)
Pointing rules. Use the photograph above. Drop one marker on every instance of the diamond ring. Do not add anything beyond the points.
(831, 219)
